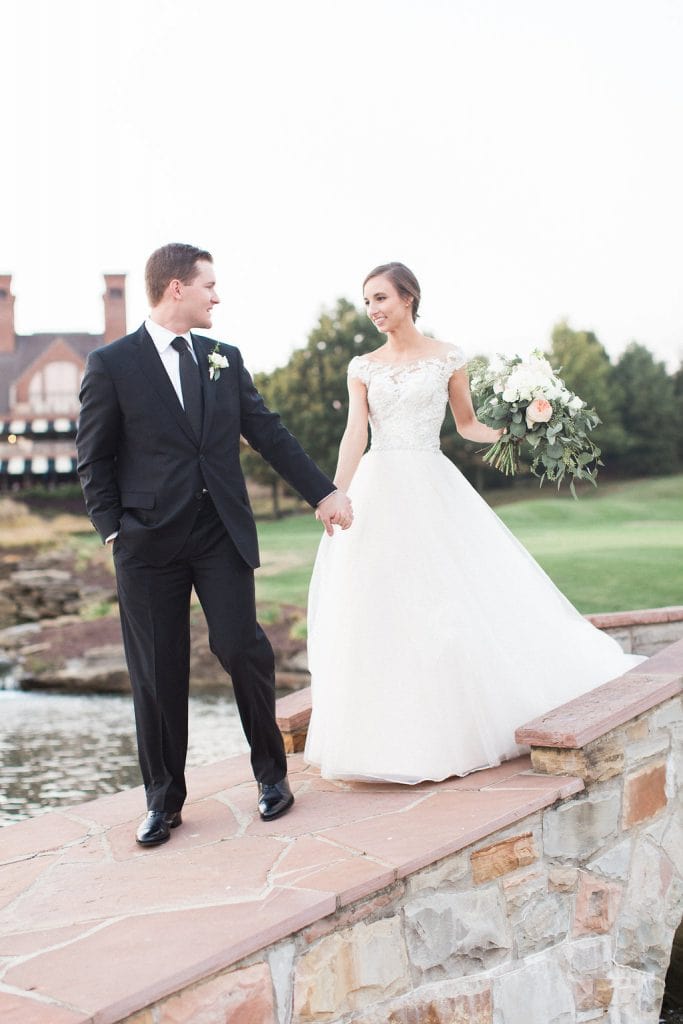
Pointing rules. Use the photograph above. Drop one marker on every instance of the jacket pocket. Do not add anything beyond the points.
(138, 499)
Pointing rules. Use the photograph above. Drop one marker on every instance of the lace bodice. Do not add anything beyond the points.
(407, 402)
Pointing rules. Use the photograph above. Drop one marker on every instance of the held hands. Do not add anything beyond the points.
(335, 510)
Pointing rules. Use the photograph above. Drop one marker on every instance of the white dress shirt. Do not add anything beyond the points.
(162, 338)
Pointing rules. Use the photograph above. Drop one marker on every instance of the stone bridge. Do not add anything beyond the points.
(545, 891)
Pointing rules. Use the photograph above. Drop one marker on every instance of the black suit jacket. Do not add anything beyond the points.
(141, 467)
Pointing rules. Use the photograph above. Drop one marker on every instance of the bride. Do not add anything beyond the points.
(433, 634)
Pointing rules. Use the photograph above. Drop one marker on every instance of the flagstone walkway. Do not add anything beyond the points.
(93, 927)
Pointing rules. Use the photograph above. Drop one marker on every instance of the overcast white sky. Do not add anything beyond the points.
(523, 157)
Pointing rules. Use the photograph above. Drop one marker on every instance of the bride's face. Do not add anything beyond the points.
(383, 304)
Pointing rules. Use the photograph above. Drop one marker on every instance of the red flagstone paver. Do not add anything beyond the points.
(145, 958)
(642, 617)
(440, 825)
(17, 1010)
(208, 821)
(22, 943)
(97, 924)
(506, 770)
(350, 880)
(114, 809)
(37, 835)
(20, 876)
(539, 783)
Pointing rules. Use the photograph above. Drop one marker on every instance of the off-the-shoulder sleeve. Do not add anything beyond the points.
(455, 359)
(358, 367)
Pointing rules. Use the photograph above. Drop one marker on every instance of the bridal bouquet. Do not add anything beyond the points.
(528, 399)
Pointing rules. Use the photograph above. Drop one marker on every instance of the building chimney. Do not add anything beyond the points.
(7, 336)
(114, 307)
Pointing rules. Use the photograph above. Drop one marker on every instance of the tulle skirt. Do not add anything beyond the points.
(433, 634)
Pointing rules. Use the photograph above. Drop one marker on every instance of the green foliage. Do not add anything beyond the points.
(649, 412)
(310, 392)
(678, 393)
(585, 367)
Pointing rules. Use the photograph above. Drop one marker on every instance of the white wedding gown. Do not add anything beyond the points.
(433, 634)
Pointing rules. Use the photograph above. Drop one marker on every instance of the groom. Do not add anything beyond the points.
(162, 411)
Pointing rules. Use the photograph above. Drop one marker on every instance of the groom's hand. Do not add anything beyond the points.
(335, 510)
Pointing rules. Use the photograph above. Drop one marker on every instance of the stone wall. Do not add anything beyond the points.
(645, 631)
(567, 917)
(28, 595)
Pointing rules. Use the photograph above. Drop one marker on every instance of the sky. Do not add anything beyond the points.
(523, 157)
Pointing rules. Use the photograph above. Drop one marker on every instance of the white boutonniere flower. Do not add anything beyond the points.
(217, 362)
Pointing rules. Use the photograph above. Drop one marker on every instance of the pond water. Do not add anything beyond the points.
(61, 749)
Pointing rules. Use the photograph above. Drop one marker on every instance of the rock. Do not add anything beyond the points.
(596, 762)
(637, 997)
(442, 1003)
(450, 934)
(281, 960)
(350, 970)
(614, 863)
(593, 993)
(578, 828)
(597, 903)
(29, 595)
(643, 935)
(562, 879)
(501, 858)
(539, 919)
(644, 794)
(592, 955)
(297, 662)
(444, 875)
(536, 993)
(242, 995)
(672, 843)
(100, 670)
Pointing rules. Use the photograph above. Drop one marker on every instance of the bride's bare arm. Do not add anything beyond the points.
(355, 438)
(466, 422)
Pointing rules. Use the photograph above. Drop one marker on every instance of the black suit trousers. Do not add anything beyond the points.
(154, 603)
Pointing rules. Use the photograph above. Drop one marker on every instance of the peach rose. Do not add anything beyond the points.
(538, 411)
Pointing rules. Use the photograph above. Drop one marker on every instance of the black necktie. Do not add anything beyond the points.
(191, 386)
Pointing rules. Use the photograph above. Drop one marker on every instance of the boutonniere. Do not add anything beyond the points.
(217, 362)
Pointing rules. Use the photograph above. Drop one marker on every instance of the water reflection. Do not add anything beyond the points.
(58, 749)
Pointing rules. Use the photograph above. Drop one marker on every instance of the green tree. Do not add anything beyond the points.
(649, 412)
(310, 391)
(586, 369)
(678, 392)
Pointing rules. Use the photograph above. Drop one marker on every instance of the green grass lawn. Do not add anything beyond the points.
(614, 549)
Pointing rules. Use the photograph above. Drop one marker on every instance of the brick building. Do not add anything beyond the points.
(40, 376)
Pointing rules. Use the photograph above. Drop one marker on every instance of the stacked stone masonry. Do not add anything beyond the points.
(567, 917)
(563, 912)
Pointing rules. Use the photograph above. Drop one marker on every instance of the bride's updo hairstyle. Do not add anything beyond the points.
(403, 280)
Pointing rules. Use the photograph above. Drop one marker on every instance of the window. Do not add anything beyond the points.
(54, 389)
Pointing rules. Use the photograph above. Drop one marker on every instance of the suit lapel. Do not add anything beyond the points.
(154, 370)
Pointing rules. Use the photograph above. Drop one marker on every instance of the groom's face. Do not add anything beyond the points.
(199, 296)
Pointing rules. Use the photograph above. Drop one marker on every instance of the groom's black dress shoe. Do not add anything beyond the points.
(156, 828)
(274, 800)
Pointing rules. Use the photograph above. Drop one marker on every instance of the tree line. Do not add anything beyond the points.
(639, 402)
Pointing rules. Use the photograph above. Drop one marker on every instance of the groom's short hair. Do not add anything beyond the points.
(177, 260)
